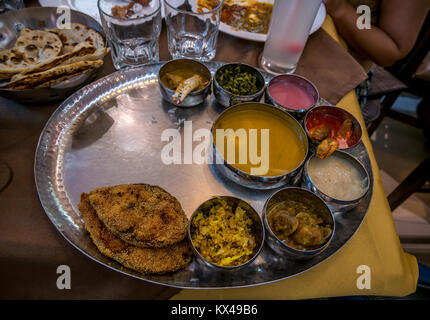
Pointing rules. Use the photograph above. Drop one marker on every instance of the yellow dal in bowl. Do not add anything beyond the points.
(286, 149)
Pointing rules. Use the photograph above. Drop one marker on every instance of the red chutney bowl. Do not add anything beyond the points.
(333, 117)
(292, 93)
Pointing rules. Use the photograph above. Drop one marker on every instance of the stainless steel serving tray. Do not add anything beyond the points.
(109, 133)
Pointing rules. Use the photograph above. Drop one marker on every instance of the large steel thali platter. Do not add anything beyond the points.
(109, 133)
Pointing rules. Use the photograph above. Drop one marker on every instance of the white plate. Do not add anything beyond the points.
(261, 37)
(90, 7)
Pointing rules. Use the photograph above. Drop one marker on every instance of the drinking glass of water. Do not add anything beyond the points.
(289, 29)
(132, 29)
(192, 30)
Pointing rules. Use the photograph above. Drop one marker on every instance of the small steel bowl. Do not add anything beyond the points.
(337, 205)
(252, 181)
(296, 194)
(40, 18)
(194, 98)
(302, 82)
(234, 203)
(336, 112)
(228, 99)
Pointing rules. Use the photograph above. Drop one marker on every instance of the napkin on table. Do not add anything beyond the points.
(324, 62)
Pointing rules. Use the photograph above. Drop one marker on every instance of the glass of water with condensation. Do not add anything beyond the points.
(192, 28)
(132, 29)
(289, 29)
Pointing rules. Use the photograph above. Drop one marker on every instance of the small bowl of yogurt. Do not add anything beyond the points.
(340, 180)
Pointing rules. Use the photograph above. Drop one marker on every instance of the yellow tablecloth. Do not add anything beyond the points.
(376, 244)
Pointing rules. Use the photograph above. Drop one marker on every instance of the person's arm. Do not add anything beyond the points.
(400, 22)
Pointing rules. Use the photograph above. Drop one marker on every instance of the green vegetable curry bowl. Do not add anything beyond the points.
(236, 83)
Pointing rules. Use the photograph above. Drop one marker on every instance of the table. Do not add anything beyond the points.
(31, 249)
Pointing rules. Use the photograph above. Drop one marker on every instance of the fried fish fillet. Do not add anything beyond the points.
(147, 261)
(142, 215)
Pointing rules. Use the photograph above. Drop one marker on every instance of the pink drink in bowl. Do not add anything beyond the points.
(289, 30)
(294, 93)
(291, 96)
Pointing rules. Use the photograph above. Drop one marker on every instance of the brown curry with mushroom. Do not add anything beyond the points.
(298, 224)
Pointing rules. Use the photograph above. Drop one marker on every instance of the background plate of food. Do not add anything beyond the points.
(89, 7)
(250, 19)
(246, 19)
(86, 6)
(39, 62)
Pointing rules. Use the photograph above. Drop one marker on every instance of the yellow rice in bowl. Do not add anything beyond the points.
(224, 236)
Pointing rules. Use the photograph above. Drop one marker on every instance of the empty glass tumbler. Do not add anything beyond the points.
(192, 30)
(132, 30)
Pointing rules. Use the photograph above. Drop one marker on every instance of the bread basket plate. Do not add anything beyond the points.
(39, 19)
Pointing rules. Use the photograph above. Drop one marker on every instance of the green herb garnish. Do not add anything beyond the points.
(237, 81)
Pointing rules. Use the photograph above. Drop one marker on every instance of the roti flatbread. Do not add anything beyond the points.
(34, 79)
(32, 48)
(79, 33)
(81, 50)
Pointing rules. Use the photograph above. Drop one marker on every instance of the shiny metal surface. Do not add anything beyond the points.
(40, 18)
(252, 181)
(234, 203)
(226, 98)
(296, 194)
(337, 205)
(300, 81)
(109, 133)
(194, 98)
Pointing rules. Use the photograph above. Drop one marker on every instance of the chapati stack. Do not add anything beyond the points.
(45, 58)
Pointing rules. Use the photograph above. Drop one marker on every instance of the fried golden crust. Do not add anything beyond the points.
(147, 261)
(142, 215)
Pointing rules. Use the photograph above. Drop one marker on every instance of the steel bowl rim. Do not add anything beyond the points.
(194, 93)
(332, 199)
(248, 175)
(300, 111)
(227, 268)
(285, 246)
(340, 109)
(250, 96)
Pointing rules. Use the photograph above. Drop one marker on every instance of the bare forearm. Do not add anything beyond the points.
(399, 23)
(373, 43)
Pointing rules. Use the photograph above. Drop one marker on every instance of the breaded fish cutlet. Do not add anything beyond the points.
(146, 261)
(142, 215)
